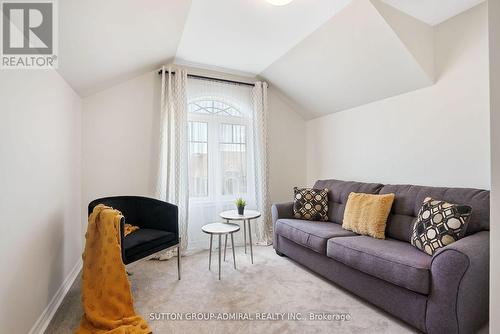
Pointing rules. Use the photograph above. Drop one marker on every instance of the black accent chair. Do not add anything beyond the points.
(158, 226)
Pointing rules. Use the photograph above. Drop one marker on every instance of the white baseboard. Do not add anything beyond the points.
(43, 321)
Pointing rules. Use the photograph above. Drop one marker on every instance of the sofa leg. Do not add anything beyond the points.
(279, 253)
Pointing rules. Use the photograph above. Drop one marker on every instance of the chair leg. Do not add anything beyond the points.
(179, 262)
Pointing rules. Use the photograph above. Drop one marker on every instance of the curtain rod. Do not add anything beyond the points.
(201, 77)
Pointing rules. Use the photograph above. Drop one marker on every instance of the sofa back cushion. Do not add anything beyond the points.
(338, 192)
(409, 199)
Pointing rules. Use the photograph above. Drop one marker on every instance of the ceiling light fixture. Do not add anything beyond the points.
(279, 2)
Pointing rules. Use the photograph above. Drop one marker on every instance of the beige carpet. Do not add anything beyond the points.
(272, 284)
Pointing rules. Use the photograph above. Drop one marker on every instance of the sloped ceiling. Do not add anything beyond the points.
(248, 35)
(433, 12)
(361, 60)
(103, 42)
(417, 37)
(325, 55)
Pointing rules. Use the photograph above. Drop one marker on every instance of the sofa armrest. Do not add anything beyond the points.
(458, 301)
(280, 211)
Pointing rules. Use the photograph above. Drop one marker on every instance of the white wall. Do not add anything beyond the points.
(433, 136)
(494, 23)
(40, 201)
(287, 146)
(120, 139)
(120, 131)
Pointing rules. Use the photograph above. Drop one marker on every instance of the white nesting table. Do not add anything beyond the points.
(246, 217)
(220, 229)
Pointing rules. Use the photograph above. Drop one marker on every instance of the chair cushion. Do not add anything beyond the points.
(145, 239)
(310, 234)
(391, 260)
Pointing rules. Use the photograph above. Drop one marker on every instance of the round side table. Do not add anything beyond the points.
(220, 229)
(246, 217)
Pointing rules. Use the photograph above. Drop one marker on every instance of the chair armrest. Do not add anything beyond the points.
(156, 214)
(280, 211)
(458, 301)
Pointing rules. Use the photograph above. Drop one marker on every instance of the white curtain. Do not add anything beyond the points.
(260, 112)
(230, 120)
(203, 139)
(172, 185)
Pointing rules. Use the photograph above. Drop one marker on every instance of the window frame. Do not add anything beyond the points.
(201, 142)
(220, 143)
(214, 122)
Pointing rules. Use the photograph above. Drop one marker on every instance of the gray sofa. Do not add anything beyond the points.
(444, 293)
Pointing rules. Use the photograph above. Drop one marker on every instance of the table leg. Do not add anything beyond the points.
(250, 237)
(210, 252)
(225, 247)
(245, 234)
(232, 244)
(179, 261)
(220, 244)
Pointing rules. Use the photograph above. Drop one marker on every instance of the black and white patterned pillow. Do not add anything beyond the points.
(310, 204)
(439, 224)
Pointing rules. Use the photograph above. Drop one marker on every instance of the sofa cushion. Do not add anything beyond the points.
(409, 200)
(439, 224)
(338, 192)
(310, 204)
(391, 260)
(145, 239)
(366, 214)
(310, 234)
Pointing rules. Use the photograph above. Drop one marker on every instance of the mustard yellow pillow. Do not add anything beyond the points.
(367, 214)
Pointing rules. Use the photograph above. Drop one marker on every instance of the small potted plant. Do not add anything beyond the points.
(240, 204)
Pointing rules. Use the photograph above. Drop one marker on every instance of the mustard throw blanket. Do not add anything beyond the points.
(128, 229)
(106, 296)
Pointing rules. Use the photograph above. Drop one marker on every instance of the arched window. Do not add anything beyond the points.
(213, 107)
(218, 152)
